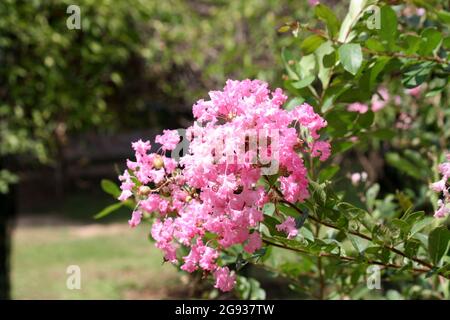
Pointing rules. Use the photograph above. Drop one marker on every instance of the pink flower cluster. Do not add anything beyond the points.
(441, 186)
(209, 201)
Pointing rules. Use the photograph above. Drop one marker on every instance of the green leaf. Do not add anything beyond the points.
(365, 120)
(376, 70)
(318, 193)
(371, 195)
(271, 223)
(307, 234)
(342, 146)
(431, 41)
(324, 73)
(384, 134)
(375, 45)
(413, 42)
(444, 16)
(311, 43)
(287, 210)
(326, 15)
(446, 42)
(110, 187)
(294, 103)
(303, 83)
(402, 225)
(288, 59)
(438, 242)
(389, 25)
(109, 209)
(307, 66)
(284, 29)
(411, 247)
(269, 209)
(355, 11)
(329, 60)
(421, 224)
(358, 243)
(328, 173)
(416, 74)
(350, 55)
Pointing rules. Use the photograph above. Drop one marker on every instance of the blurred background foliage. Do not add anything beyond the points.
(133, 64)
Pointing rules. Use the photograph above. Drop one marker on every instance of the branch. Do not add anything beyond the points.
(344, 258)
(361, 235)
(376, 53)
(358, 234)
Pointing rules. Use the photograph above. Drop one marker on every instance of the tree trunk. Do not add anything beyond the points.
(7, 212)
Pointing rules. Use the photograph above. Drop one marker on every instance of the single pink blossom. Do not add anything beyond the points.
(135, 220)
(225, 280)
(442, 211)
(313, 2)
(438, 186)
(416, 92)
(420, 12)
(322, 149)
(289, 227)
(377, 102)
(441, 187)
(169, 139)
(254, 242)
(358, 107)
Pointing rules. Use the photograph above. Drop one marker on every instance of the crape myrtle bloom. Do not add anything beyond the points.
(211, 198)
(442, 188)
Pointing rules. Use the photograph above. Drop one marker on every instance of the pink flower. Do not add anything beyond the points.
(208, 259)
(438, 186)
(313, 2)
(441, 187)
(444, 168)
(321, 148)
(442, 211)
(126, 186)
(415, 92)
(379, 103)
(357, 177)
(308, 118)
(289, 227)
(358, 107)
(151, 203)
(225, 280)
(254, 242)
(420, 12)
(125, 195)
(136, 217)
(141, 147)
(404, 121)
(169, 139)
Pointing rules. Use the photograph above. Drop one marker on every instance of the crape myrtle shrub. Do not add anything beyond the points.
(375, 82)
(132, 64)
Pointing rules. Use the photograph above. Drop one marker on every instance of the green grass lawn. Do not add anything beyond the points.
(116, 263)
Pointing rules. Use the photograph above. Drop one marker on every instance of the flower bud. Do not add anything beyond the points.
(165, 191)
(158, 162)
(144, 190)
